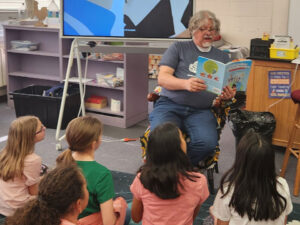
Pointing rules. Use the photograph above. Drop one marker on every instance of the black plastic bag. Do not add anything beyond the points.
(243, 120)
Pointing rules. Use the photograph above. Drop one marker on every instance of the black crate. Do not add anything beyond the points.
(29, 101)
(260, 48)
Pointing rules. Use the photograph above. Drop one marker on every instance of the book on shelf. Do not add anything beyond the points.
(217, 75)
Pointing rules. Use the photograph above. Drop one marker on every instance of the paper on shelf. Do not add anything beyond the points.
(76, 79)
(120, 73)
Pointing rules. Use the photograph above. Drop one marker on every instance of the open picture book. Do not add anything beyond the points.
(218, 75)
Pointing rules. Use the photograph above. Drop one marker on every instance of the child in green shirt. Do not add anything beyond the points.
(83, 135)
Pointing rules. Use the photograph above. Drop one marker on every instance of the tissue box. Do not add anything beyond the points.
(96, 102)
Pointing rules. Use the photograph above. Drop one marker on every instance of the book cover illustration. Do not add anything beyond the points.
(218, 75)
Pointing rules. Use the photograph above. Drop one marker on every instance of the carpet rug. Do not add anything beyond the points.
(122, 181)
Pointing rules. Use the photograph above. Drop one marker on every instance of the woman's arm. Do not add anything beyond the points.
(33, 189)
(227, 93)
(107, 212)
(137, 210)
(167, 80)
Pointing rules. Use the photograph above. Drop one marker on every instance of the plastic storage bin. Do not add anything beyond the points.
(282, 53)
(29, 101)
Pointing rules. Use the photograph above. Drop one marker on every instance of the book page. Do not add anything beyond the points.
(212, 72)
(237, 74)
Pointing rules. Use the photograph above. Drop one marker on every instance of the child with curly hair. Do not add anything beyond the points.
(62, 196)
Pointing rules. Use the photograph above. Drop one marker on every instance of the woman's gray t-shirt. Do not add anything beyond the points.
(183, 58)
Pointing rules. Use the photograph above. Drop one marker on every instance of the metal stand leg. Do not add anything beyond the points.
(74, 47)
(82, 107)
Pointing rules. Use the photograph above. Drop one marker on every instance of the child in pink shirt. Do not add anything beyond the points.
(62, 196)
(19, 166)
(166, 189)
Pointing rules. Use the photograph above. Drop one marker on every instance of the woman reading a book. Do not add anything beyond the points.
(184, 99)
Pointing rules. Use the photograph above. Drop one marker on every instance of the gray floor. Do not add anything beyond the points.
(126, 156)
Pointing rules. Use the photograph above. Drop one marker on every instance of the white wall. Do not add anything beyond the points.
(242, 20)
(294, 21)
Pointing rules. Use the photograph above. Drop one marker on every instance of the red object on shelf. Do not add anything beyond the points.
(96, 99)
(97, 102)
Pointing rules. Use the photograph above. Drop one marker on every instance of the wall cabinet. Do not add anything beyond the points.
(48, 65)
(258, 98)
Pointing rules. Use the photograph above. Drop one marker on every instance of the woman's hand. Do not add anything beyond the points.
(227, 93)
(195, 84)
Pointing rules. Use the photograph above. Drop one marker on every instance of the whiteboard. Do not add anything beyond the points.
(294, 21)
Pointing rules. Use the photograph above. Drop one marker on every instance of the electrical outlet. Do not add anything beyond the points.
(296, 61)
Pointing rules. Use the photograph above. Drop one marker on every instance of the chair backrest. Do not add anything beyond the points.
(120, 207)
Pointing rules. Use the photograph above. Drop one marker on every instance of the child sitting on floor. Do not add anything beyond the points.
(19, 166)
(251, 192)
(62, 196)
(83, 135)
(166, 189)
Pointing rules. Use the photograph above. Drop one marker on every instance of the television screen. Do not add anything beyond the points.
(129, 19)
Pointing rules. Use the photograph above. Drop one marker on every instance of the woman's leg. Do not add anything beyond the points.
(200, 126)
(165, 111)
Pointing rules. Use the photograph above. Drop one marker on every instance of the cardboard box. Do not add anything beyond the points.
(96, 102)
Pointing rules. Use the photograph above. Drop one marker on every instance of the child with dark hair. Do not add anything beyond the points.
(61, 198)
(167, 190)
(251, 192)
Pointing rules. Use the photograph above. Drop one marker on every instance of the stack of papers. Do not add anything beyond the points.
(281, 41)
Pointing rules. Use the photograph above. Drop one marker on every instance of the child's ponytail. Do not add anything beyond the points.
(65, 158)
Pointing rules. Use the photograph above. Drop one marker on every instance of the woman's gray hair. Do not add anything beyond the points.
(200, 18)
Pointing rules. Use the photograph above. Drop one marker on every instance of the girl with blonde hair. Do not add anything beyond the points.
(83, 135)
(19, 165)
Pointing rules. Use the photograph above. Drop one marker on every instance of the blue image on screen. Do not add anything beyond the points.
(78, 22)
(106, 18)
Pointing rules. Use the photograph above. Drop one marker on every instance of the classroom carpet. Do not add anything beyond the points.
(122, 181)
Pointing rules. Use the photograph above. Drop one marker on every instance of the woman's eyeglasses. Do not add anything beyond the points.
(41, 130)
(202, 29)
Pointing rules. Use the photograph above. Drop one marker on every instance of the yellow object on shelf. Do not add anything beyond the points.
(282, 53)
(265, 36)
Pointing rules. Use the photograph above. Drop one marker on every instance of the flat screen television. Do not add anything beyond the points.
(125, 20)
